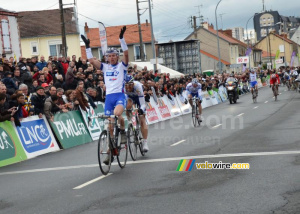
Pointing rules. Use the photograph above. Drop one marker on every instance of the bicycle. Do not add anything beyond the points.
(275, 91)
(109, 146)
(134, 134)
(195, 112)
(254, 95)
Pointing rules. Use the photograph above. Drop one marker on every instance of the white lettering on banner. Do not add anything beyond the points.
(69, 128)
(34, 134)
(3, 141)
(164, 111)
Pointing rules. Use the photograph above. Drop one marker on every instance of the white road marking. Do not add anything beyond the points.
(178, 143)
(284, 90)
(240, 115)
(255, 107)
(266, 101)
(159, 160)
(216, 126)
(92, 181)
(279, 93)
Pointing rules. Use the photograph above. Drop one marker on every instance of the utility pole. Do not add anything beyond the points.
(140, 32)
(152, 36)
(63, 29)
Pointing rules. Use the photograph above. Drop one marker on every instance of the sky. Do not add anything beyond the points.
(171, 18)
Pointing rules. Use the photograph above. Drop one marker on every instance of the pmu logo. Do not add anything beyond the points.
(34, 135)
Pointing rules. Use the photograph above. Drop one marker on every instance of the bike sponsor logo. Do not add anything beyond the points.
(7, 146)
(34, 135)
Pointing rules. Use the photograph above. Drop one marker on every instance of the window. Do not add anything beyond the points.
(55, 48)
(6, 36)
(34, 48)
(137, 55)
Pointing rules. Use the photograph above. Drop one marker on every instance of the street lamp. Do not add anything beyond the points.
(219, 55)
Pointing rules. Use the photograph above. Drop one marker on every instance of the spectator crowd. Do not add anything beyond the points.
(35, 86)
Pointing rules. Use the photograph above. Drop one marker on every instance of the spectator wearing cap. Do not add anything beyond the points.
(9, 83)
(38, 101)
(17, 101)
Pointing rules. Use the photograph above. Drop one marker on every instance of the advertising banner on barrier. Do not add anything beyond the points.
(213, 97)
(11, 150)
(70, 129)
(93, 126)
(219, 99)
(223, 93)
(185, 108)
(152, 112)
(206, 99)
(173, 105)
(36, 136)
(163, 109)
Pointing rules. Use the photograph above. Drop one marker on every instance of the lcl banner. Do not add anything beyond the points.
(36, 136)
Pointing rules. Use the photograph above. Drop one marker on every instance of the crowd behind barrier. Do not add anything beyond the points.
(45, 104)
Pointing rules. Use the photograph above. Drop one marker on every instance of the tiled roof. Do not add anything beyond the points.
(7, 12)
(266, 54)
(225, 37)
(214, 57)
(45, 23)
(112, 33)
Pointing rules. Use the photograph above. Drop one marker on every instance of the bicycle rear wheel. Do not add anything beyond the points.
(104, 153)
(131, 142)
(122, 154)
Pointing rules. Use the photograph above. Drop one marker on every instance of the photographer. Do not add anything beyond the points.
(6, 114)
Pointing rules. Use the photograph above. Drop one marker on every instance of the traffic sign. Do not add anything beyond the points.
(242, 59)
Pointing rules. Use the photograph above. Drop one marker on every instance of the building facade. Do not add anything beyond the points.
(10, 43)
(238, 33)
(41, 33)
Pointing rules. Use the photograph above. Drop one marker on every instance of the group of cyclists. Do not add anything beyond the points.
(122, 91)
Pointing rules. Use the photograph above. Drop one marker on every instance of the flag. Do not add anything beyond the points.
(276, 57)
(292, 59)
(103, 40)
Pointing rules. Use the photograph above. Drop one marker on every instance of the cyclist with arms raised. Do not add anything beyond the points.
(194, 90)
(114, 76)
(135, 96)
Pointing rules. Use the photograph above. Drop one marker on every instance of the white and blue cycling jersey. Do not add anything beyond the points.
(114, 78)
(253, 80)
(294, 73)
(137, 95)
(287, 76)
(194, 91)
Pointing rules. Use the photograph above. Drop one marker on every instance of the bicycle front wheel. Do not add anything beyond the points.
(122, 154)
(194, 115)
(131, 142)
(104, 154)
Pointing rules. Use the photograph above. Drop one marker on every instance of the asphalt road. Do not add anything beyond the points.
(264, 134)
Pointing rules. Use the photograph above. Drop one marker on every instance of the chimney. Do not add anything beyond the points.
(210, 26)
(284, 35)
(146, 22)
(86, 28)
